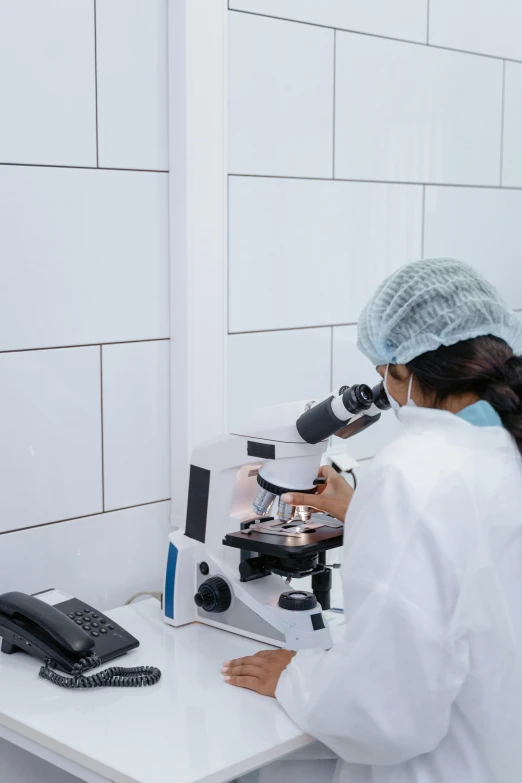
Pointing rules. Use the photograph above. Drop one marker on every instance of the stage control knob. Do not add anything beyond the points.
(297, 600)
(214, 595)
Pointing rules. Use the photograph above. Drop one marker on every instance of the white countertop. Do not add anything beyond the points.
(189, 728)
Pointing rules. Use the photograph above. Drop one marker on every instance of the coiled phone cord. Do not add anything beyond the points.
(115, 677)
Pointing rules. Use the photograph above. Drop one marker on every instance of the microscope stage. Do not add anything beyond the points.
(319, 540)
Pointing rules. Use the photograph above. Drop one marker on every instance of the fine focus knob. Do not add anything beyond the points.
(297, 600)
(214, 595)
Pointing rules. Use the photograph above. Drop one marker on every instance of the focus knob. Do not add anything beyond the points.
(214, 595)
(297, 600)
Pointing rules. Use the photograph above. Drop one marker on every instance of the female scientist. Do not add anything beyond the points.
(427, 685)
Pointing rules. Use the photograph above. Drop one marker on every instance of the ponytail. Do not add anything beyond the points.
(484, 366)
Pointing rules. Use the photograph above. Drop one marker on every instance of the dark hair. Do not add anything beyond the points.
(485, 366)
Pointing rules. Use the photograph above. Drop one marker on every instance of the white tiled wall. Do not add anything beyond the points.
(84, 310)
(268, 368)
(84, 256)
(400, 19)
(309, 253)
(421, 122)
(489, 26)
(482, 226)
(136, 422)
(47, 82)
(132, 110)
(103, 559)
(426, 160)
(281, 83)
(511, 157)
(50, 449)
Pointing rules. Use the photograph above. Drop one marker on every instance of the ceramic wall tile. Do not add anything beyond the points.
(433, 116)
(280, 97)
(310, 253)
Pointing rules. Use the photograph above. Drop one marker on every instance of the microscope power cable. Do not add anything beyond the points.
(114, 677)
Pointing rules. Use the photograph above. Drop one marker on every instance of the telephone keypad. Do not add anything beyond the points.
(109, 638)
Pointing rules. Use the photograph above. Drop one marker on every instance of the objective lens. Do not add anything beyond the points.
(285, 512)
(303, 512)
(263, 502)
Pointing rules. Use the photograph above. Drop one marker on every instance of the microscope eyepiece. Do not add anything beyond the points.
(380, 398)
(357, 399)
(328, 417)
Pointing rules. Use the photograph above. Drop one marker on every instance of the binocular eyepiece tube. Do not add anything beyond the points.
(327, 417)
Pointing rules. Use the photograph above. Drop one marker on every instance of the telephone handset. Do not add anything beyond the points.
(69, 635)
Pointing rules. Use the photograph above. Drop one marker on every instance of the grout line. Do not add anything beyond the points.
(85, 345)
(334, 89)
(502, 122)
(84, 516)
(375, 35)
(228, 255)
(428, 23)
(423, 219)
(293, 328)
(83, 168)
(96, 86)
(313, 326)
(380, 181)
(331, 356)
(102, 443)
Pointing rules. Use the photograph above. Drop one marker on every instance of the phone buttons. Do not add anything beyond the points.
(103, 630)
(72, 616)
(78, 614)
(94, 633)
(103, 621)
(79, 622)
(110, 627)
(95, 625)
(86, 627)
(95, 615)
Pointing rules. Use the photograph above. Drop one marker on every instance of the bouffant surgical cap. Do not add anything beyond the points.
(431, 303)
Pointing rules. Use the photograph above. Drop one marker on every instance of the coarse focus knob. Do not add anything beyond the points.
(297, 600)
(214, 595)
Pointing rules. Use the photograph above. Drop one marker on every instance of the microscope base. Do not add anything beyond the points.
(253, 607)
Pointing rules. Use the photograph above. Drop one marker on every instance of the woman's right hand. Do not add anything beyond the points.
(333, 497)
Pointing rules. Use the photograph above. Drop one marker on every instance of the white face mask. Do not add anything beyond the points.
(393, 402)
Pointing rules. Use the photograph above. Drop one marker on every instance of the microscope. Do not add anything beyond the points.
(242, 545)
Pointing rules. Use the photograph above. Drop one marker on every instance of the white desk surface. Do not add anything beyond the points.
(189, 728)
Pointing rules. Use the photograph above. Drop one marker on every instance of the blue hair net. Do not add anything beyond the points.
(431, 303)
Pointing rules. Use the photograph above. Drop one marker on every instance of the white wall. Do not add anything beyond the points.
(84, 297)
(361, 136)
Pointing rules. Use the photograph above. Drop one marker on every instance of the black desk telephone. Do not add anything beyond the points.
(70, 635)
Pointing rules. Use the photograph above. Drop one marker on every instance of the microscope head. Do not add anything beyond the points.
(351, 411)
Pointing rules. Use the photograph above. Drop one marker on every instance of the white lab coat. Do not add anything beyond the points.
(427, 685)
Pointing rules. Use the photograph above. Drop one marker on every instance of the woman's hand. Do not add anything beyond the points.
(260, 672)
(333, 497)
